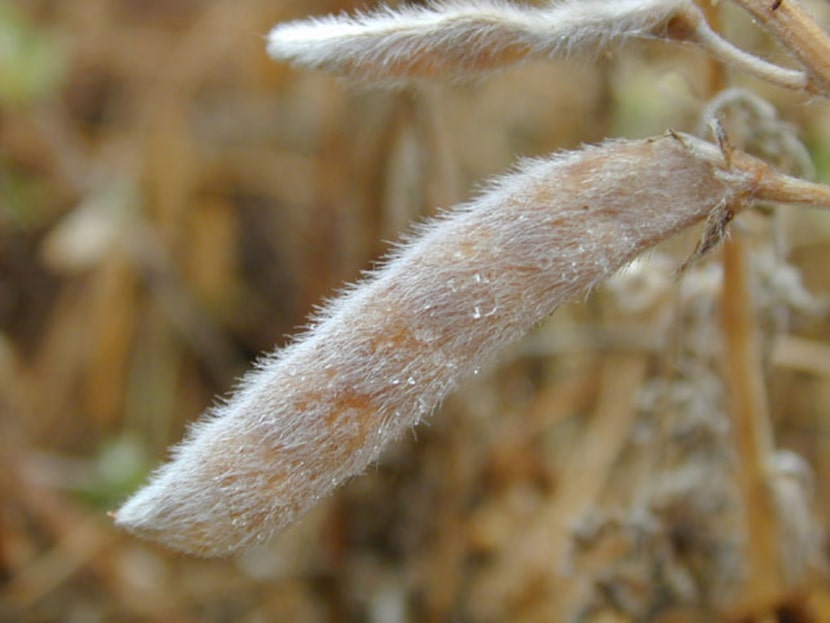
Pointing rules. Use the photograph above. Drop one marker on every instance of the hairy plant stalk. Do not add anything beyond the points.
(799, 33)
(703, 35)
(382, 355)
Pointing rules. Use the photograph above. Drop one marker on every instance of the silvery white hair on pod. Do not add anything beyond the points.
(458, 38)
(381, 356)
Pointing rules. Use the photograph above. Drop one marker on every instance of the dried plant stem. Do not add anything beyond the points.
(588, 468)
(720, 48)
(749, 411)
(385, 353)
(769, 185)
(801, 354)
(791, 25)
(717, 75)
(752, 430)
(585, 473)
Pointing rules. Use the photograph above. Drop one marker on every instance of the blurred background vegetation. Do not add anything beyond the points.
(172, 204)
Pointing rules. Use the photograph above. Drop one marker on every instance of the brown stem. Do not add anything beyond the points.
(751, 424)
(749, 410)
(769, 184)
(716, 75)
(791, 25)
(588, 468)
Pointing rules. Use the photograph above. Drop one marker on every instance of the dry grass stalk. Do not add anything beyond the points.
(764, 524)
(753, 433)
(589, 467)
(380, 357)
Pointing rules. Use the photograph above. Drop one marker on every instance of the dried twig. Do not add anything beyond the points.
(698, 31)
(750, 417)
(749, 410)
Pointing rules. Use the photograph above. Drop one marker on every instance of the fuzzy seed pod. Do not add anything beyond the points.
(386, 352)
(458, 38)
(461, 38)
